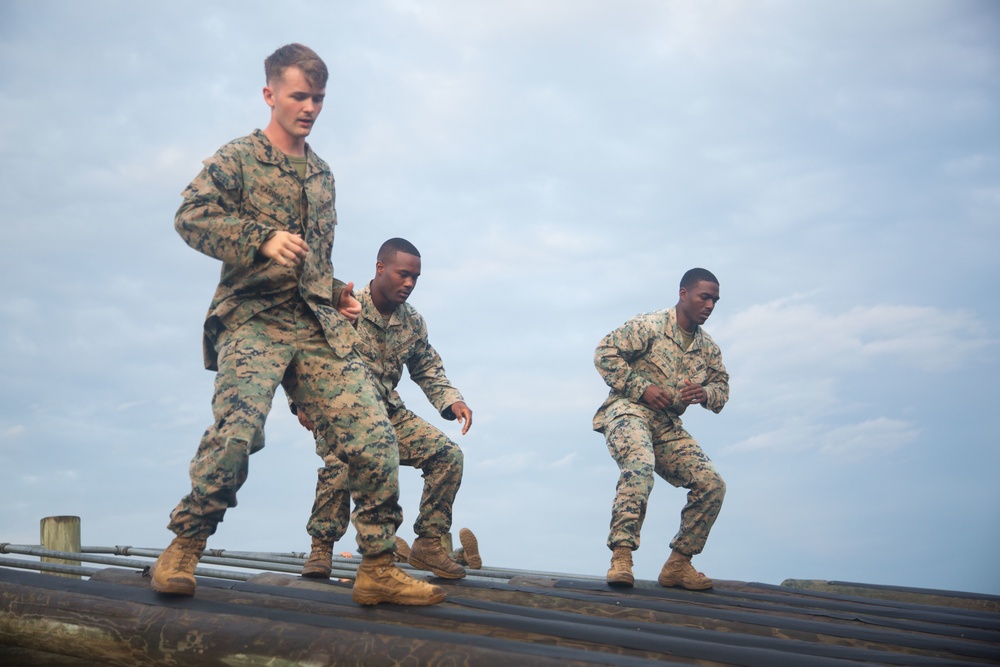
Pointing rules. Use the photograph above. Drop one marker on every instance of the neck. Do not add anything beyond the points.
(284, 142)
(384, 307)
(682, 320)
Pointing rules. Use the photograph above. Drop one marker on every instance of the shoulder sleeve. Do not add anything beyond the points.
(716, 383)
(615, 352)
(427, 370)
(210, 217)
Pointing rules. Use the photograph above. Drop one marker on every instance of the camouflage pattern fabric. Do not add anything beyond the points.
(286, 345)
(402, 341)
(643, 446)
(269, 324)
(421, 446)
(647, 350)
(246, 192)
(386, 348)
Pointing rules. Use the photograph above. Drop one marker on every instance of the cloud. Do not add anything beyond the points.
(879, 435)
(794, 334)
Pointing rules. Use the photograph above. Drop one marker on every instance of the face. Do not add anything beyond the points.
(295, 103)
(396, 279)
(699, 301)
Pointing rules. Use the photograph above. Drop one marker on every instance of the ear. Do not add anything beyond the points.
(269, 96)
(379, 268)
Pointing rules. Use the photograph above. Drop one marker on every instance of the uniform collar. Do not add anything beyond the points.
(674, 329)
(371, 313)
(266, 152)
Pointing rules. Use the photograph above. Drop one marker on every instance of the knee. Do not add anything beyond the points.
(714, 486)
(450, 456)
(638, 476)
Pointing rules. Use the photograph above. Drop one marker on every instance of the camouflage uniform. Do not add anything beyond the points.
(648, 350)
(270, 325)
(386, 348)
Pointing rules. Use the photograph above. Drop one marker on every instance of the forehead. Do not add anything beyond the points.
(294, 79)
(405, 261)
(705, 287)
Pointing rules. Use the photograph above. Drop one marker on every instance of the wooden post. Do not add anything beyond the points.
(61, 533)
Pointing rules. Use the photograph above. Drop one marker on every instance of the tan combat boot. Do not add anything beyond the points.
(402, 550)
(678, 571)
(319, 565)
(428, 554)
(173, 571)
(379, 580)
(620, 573)
(470, 547)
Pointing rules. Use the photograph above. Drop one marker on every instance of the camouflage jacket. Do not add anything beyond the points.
(246, 192)
(387, 346)
(647, 350)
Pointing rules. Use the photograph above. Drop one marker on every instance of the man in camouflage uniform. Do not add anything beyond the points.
(657, 365)
(264, 205)
(393, 335)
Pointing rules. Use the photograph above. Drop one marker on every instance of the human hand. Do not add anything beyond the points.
(463, 413)
(693, 393)
(285, 248)
(657, 397)
(349, 306)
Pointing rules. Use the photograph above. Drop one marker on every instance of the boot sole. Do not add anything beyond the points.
(666, 583)
(316, 574)
(367, 599)
(621, 582)
(471, 547)
(183, 588)
(438, 572)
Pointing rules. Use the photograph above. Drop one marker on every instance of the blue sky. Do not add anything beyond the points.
(559, 165)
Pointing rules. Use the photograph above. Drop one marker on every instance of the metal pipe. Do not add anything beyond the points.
(288, 562)
(43, 566)
(28, 550)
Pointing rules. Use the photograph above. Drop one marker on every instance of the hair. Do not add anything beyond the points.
(296, 55)
(389, 249)
(692, 276)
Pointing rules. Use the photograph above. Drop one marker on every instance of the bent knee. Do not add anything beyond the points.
(452, 455)
(715, 486)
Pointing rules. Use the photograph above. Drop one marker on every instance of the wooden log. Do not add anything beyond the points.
(61, 533)
(129, 626)
(971, 601)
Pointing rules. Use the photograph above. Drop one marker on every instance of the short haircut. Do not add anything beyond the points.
(296, 55)
(389, 249)
(692, 276)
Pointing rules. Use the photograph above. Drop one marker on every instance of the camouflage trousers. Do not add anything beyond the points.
(421, 446)
(285, 345)
(642, 446)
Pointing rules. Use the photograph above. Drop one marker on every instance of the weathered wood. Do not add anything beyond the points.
(140, 627)
(61, 533)
(332, 599)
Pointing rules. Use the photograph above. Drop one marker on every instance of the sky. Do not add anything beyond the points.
(559, 164)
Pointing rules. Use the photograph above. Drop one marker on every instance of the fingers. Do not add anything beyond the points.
(285, 248)
(693, 393)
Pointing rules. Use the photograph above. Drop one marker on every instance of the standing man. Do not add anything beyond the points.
(393, 334)
(657, 365)
(264, 206)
